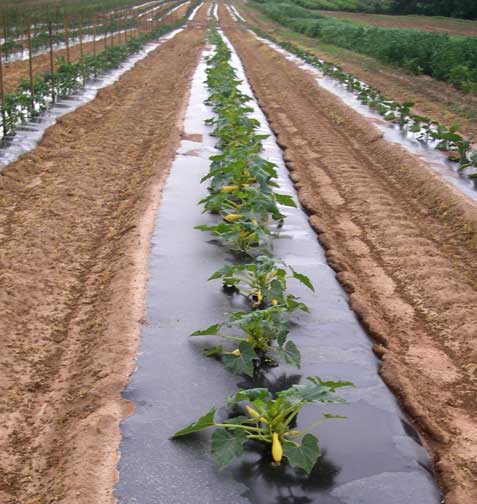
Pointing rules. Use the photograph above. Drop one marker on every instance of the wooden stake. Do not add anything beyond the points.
(30, 65)
(112, 29)
(105, 24)
(81, 49)
(94, 43)
(5, 29)
(81, 37)
(52, 62)
(67, 39)
(2, 98)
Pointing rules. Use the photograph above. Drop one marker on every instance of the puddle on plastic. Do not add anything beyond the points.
(373, 457)
(29, 134)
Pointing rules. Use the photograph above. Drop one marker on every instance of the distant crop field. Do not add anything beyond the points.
(428, 23)
(444, 57)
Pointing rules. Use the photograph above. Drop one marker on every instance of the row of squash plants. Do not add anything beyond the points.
(21, 105)
(447, 139)
(242, 194)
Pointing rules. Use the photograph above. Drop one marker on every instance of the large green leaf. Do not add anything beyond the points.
(243, 363)
(315, 390)
(226, 444)
(204, 422)
(291, 354)
(303, 279)
(213, 351)
(305, 455)
(249, 395)
(285, 199)
(210, 331)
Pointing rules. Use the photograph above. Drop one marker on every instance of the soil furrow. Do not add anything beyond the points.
(403, 243)
(75, 219)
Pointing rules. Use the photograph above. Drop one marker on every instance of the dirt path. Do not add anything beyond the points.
(427, 23)
(75, 221)
(438, 100)
(403, 243)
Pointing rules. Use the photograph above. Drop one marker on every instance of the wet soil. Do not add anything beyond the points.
(438, 100)
(76, 218)
(427, 23)
(403, 244)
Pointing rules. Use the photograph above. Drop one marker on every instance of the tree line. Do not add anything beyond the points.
(466, 9)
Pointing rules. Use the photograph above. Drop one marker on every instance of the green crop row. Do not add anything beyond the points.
(49, 10)
(348, 5)
(446, 139)
(21, 105)
(436, 54)
(243, 194)
(41, 40)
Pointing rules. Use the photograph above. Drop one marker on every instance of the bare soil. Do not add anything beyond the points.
(403, 244)
(427, 23)
(76, 216)
(436, 99)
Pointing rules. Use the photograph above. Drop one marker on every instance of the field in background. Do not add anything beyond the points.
(429, 23)
(443, 57)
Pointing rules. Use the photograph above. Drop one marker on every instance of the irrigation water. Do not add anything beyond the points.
(373, 457)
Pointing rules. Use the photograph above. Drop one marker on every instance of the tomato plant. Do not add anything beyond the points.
(19, 106)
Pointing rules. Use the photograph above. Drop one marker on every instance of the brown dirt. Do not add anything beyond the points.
(427, 23)
(436, 99)
(76, 215)
(403, 244)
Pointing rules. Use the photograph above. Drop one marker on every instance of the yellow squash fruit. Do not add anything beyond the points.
(277, 450)
(255, 414)
(229, 188)
(232, 217)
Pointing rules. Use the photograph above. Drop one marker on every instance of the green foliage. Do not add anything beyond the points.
(448, 139)
(262, 335)
(20, 105)
(466, 9)
(434, 54)
(266, 416)
(241, 183)
(242, 192)
(264, 282)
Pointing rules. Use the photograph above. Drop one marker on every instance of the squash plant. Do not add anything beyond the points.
(264, 282)
(260, 342)
(241, 183)
(246, 236)
(270, 420)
